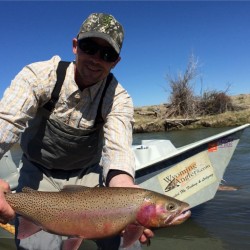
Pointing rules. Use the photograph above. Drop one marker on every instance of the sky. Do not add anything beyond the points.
(160, 37)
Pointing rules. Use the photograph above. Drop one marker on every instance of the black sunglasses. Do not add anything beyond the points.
(89, 47)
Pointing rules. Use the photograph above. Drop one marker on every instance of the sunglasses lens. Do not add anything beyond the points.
(109, 55)
(88, 47)
(91, 48)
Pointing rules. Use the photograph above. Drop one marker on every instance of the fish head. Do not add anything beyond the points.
(161, 211)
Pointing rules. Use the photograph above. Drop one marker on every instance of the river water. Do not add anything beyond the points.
(220, 224)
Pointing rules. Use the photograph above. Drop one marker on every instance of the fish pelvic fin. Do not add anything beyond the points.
(26, 228)
(72, 243)
(132, 233)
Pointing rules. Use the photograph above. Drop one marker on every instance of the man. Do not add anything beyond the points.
(63, 116)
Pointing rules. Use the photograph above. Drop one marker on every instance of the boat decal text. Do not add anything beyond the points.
(188, 177)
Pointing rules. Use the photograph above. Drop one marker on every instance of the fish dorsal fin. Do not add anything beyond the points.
(28, 190)
(73, 188)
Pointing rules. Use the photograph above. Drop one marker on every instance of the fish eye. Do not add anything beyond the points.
(170, 206)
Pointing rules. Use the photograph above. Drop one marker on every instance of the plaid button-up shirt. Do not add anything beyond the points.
(32, 88)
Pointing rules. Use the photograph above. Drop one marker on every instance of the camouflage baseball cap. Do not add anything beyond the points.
(103, 26)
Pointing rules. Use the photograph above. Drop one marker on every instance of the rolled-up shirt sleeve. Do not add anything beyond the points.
(20, 103)
(118, 129)
(17, 105)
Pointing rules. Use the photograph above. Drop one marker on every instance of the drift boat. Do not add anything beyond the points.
(191, 173)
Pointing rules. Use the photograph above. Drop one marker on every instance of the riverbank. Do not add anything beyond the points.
(156, 118)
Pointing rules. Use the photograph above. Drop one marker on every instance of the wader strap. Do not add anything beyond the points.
(60, 72)
(99, 111)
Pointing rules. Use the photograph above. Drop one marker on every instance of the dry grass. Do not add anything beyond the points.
(242, 100)
(152, 118)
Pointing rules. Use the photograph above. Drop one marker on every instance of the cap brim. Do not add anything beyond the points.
(99, 35)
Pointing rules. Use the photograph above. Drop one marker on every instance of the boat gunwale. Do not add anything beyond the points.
(193, 145)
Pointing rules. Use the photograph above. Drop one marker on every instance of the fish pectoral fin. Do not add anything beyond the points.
(132, 233)
(26, 228)
(72, 244)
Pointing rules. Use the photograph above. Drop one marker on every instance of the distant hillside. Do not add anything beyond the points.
(157, 118)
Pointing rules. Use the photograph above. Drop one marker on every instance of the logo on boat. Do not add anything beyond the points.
(181, 177)
(188, 176)
(221, 143)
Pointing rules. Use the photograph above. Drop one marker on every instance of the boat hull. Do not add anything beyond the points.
(191, 173)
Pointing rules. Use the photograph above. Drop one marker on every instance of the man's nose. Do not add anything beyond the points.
(97, 56)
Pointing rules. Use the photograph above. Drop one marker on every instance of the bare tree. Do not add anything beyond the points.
(182, 99)
(184, 103)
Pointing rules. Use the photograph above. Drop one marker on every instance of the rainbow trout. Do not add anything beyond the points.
(92, 213)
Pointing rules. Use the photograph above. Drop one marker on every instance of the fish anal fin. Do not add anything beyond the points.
(26, 228)
(132, 233)
(72, 244)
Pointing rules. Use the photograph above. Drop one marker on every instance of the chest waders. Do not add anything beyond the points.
(54, 148)
(51, 144)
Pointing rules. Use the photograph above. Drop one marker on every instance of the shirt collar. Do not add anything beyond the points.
(92, 90)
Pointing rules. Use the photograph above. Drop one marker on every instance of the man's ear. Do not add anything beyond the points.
(74, 45)
(118, 60)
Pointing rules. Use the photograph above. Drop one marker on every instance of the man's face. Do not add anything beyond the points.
(91, 68)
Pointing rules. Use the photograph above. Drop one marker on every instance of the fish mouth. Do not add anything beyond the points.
(178, 218)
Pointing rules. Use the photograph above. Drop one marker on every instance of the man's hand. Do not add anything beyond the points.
(124, 180)
(6, 212)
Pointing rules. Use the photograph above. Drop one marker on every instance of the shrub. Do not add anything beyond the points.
(215, 102)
